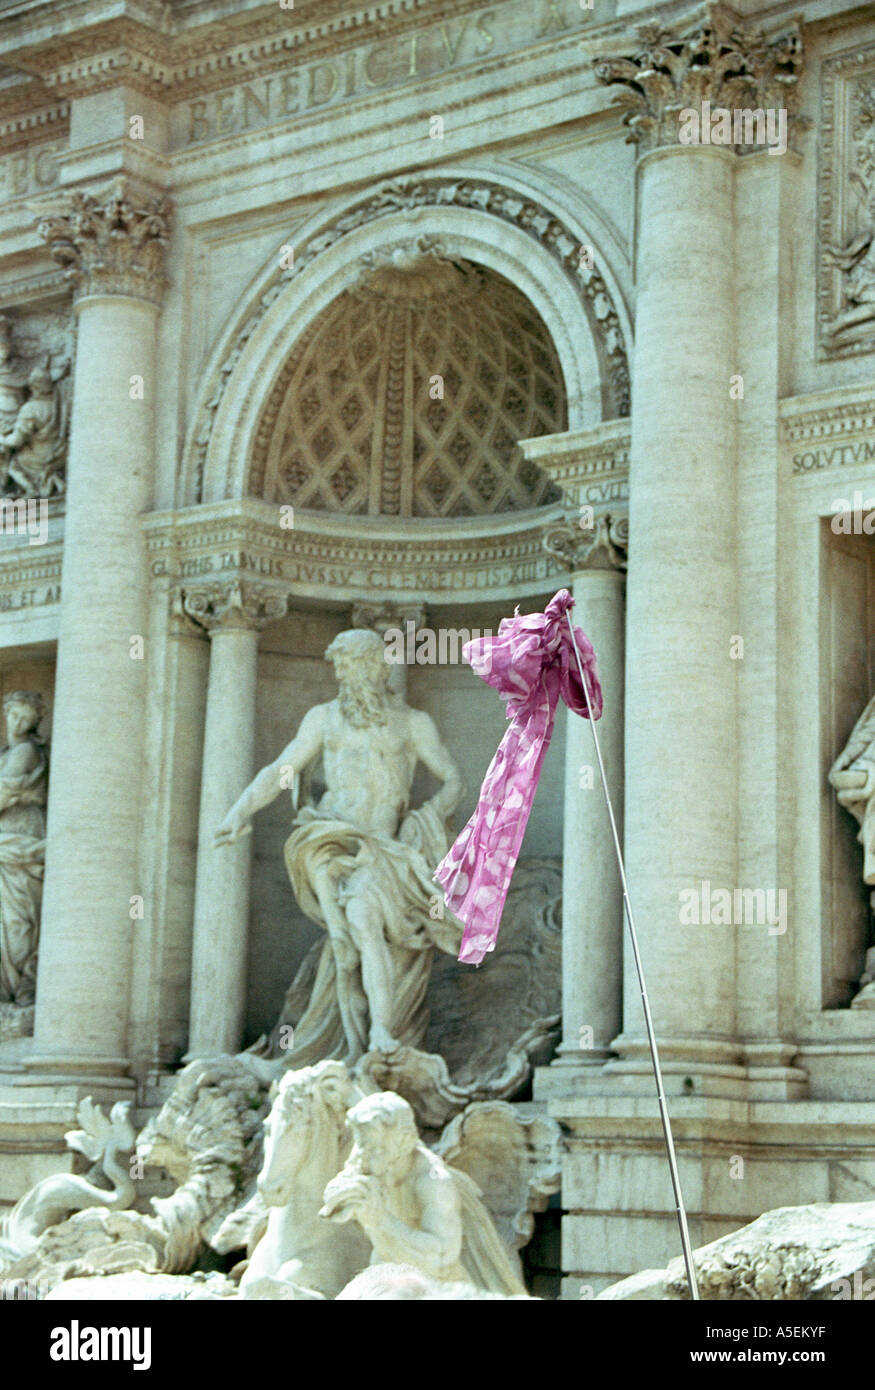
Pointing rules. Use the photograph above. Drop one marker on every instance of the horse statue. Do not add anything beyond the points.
(306, 1142)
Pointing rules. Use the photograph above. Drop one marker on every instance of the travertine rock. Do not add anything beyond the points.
(822, 1251)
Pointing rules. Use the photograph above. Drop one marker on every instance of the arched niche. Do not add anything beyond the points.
(476, 222)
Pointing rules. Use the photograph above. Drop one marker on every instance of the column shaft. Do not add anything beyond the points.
(681, 729)
(97, 737)
(592, 905)
(221, 914)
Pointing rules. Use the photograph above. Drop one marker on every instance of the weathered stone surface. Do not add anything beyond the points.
(824, 1251)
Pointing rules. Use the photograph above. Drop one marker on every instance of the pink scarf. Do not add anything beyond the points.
(531, 663)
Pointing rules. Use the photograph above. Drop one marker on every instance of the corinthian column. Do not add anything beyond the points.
(112, 247)
(592, 905)
(681, 729)
(233, 615)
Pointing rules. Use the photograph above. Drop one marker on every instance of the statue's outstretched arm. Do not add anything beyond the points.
(431, 751)
(273, 779)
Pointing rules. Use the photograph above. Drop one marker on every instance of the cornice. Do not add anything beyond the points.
(151, 48)
(18, 126)
(590, 466)
(827, 415)
(28, 568)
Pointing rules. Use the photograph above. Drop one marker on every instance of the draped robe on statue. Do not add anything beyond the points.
(394, 875)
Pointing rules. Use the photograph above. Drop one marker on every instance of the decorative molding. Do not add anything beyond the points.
(602, 546)
(342, 558)
(112, 243)
(846, 205)
(233, 606)
(166, 51)
(415, 191)
(45, 284)
(416, 270)
(829, 429)
(21, 126)
(710, 55)
(30, 575)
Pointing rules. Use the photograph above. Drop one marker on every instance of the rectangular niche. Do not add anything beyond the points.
(847, 667)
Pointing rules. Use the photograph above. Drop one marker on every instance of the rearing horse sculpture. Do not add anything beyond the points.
(301, 1255)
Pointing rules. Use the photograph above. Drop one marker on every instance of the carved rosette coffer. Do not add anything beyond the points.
(223, 607)
(711, 55)
(604, 545)
(110, 243)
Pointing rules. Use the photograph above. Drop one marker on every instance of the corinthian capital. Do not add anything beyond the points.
(708, 56)
(602, 546)
(235, 605)
(112, 243)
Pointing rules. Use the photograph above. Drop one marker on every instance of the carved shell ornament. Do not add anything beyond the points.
(417, 270)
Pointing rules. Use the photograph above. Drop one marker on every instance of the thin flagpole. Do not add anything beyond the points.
(651, 1036)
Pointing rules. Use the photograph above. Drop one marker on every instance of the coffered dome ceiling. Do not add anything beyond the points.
(352, 425)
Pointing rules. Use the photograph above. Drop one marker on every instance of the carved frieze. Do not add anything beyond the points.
(846, 264)
(336, 557)
(111, 243)
(35, 360)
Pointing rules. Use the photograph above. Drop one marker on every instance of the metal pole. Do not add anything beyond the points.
(651, 1036)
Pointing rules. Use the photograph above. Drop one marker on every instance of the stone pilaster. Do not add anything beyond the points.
(112, 246)
(592, 904)
(233, 615)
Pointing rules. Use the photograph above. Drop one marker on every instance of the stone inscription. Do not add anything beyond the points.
(370, 68)
(240, 561)
(29, 170)
(616, 491)
(348, 577)
(835, 456)
(30, 598)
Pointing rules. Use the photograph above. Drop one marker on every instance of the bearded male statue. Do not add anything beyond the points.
(360, 861)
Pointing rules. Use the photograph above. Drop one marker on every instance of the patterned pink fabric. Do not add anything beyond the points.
(531, 663)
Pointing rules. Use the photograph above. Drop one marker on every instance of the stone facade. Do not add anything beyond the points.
(332, 315)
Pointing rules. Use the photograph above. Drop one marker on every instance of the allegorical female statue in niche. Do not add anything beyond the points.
(852, 775)
(24, 769)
